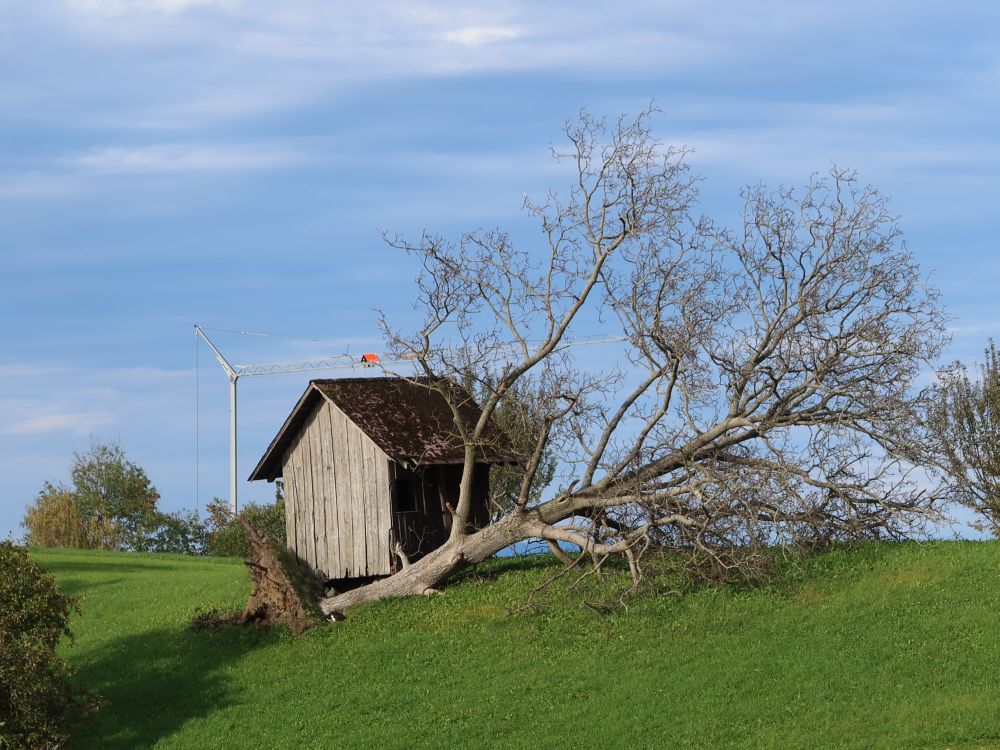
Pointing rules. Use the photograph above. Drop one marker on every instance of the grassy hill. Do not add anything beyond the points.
(891, 646)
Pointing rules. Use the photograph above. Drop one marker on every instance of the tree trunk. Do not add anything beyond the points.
(423, 576)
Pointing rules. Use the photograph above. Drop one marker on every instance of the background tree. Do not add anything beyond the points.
(111, 505)
(965, 419)
(766, 390)
(38, 700)
(114, 497)
(52, 519)
(182, 532)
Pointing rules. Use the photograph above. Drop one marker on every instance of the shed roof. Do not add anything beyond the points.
(408, 418)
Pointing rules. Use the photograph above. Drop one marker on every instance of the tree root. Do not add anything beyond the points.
(283, 592)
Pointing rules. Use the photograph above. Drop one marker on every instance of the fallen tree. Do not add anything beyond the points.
(765, 388)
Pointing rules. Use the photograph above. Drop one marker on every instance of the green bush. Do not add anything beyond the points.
(226, 538)
(38, 700)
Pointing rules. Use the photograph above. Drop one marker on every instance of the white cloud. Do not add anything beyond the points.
(119, 7)
(475, 36)
(95, 399)
(68, 177)
(145, 375)
(975, 328)
(279, 54)
(36, 185)
(241, 58)
(31, 417)
(26, 370)
(178, 157)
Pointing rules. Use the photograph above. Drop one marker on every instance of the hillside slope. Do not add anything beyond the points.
(892, 646)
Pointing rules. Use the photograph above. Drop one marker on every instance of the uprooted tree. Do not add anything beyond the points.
(765, 393)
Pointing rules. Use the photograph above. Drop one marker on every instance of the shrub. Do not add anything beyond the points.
(226, 538)
(38, 700)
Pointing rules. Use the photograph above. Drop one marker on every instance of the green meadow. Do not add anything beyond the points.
(882, 646)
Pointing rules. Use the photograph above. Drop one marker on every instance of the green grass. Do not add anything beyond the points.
(892, 646)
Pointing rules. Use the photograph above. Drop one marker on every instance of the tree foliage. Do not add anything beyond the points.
(965, 419)
(38, 700)
(115, 497)
(766, 390)
(181, 532)
(227, 537)
(53, 520)
(111, 505)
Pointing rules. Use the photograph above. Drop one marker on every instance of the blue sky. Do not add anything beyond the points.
(166, 162)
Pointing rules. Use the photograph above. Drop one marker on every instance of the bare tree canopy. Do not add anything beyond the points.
(766, 387)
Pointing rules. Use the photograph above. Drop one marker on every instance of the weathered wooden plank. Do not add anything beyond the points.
(292, 492)
(377, 479)
(289, 483)
(302, 460)
(381, 479)
(371, 505)
(324, 483)
(364, 493)
(342, 474)
(301, 497)
(303, 510)
(330, 491)
(356, 462)
(350, 482)
(319, 500)
(395, 532)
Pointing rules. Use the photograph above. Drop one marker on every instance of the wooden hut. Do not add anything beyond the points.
(369, 461)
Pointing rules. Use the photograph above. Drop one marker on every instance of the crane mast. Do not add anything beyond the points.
(235, 372)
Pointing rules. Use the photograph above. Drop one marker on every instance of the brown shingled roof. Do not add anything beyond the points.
(407, 418)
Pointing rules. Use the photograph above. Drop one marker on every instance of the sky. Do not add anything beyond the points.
(233, 163)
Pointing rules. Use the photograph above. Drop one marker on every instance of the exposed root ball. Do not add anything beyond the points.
(283, 592)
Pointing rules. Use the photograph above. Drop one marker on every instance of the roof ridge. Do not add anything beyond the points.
(406, 421)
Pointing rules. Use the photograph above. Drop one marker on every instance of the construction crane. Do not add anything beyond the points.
(235, 372)
(334, 362)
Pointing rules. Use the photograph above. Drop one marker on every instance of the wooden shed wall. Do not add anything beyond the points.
(337, 497)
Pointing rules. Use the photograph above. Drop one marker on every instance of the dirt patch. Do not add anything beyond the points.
(213, 619)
